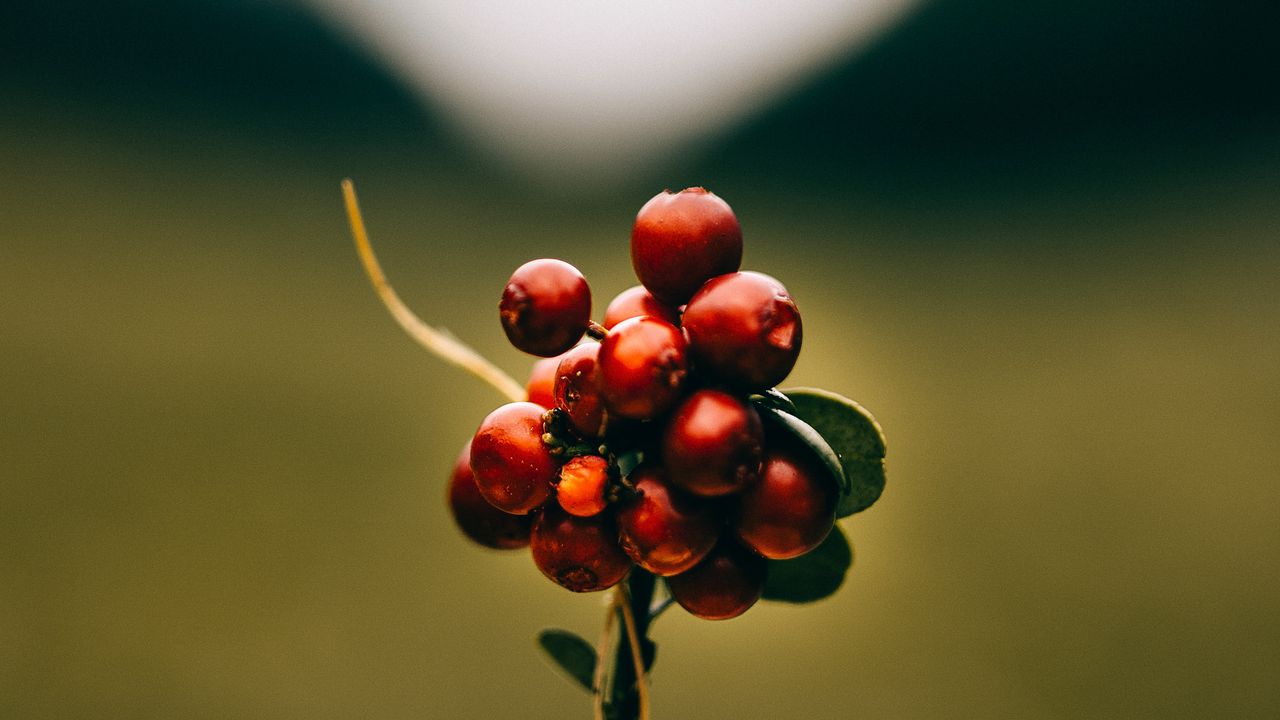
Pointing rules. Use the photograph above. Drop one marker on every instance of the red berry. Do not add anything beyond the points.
(540, 388)
(680, 240)
(577, 391)
(545, 307)
(476, 518)
(664, 531)
(744, 330)
(634, 302)
(643, 366)
(724, 585)
(580, 554)
(713, 444)
(512, 466)
(790, 509)
(582, 483)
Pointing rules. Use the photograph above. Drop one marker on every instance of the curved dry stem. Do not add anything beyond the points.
(602, 648)
(633, 639)
(438, 342)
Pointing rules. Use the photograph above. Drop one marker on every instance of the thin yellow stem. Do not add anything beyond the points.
(439, 342)
(633, 639)
(602, 648)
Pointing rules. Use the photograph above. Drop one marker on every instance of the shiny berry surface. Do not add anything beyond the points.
(634, 302)
(545, 307)
(744, 330)
(581, 554)
(582, 484)
(728, 581)
(643, 367)
(790, 509)
(512, 466)
(540, 387)
(476, 518)
(665, 531)
(713, 444)
(680, 240)
(577, 390)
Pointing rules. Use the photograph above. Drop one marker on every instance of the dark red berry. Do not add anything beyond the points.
(634, 302)
(744, 330)
(512, 466)
(713, 444)
(582, 484)
(540, 388)
(545, 307)
(577, 553)
(790, 509)
(663, 530)
(476, 518)
(681, 240)
(642, 367)
(577, 390)
(728, 581)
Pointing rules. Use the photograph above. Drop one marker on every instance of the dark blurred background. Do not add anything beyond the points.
(1040, 241)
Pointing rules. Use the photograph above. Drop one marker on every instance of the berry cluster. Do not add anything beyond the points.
(641, 445)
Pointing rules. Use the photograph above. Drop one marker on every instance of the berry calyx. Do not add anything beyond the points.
(643, 366)
(577, 390)
(513, 468)
(713, 444)
(545, 307)
(681, 240)
(663, 530)
(577, 553)
(744, 329)
(581, 490)
(634, 302)
(475, 517)
(790, 509)
(728, 581)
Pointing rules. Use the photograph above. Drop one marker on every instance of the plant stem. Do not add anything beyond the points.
(629, 698)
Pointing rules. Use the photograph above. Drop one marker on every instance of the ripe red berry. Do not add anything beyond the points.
(512, 466)
(577, 553)
(476, 518)
(643, 366)
(790, 509)
(577, 390)
(728, 581)
(713, 444)
(582, 484)
(663, 530)
(634, 302)
(744, 330)
(680, 240)
(540, 388)
(545, 307)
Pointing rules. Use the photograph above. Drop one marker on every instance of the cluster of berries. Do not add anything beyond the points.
(641, 445)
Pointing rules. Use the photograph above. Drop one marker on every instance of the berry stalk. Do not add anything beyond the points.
(630, 699)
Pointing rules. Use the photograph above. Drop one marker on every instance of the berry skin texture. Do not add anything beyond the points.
(713, 444)
(681, 240)
(582, 483)
(643, 366)
(545, 307)
(540, 388)
(724, 585)
(634, 302)
(790, 509)
(744, 330)
(577, 391)
(664, 531)
(512, 466)
(476, 518)
(580, 554)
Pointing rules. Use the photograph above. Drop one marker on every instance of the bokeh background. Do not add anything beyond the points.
(1041, 241)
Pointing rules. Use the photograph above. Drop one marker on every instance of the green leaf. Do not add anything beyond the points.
(812, 576)
(570, 653)
(855, 437)
(808, 437)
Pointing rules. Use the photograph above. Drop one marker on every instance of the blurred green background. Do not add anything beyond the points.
(1040, 241)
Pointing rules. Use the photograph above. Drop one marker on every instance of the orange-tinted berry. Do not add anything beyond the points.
(540, 388)
(582, 484)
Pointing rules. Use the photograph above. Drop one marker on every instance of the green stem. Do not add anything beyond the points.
(625, 702)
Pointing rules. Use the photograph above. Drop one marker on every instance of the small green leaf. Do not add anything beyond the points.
(856, 438)
(570, 653)
(812, 576)
(808, 437)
